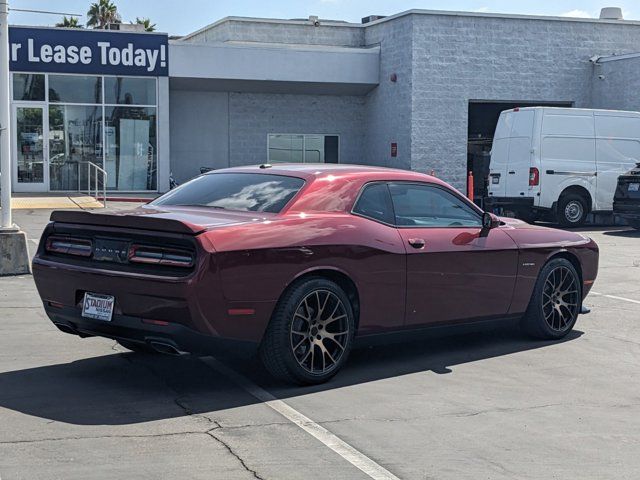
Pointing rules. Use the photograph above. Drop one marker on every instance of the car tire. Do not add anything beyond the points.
(572, 210)
(310, 333)
(136, 347)
(634, 224)
(555, 302)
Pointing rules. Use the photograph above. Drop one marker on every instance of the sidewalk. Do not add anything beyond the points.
(84, 202)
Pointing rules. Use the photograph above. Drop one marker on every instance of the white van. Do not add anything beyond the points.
(563, 160)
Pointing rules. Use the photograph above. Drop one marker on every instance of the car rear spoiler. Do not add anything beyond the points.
(138, 221)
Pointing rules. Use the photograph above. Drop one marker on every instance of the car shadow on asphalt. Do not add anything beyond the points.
(623, 233)
(619, 230)
(128, 388)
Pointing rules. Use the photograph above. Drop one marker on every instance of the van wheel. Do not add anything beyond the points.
(572, 210)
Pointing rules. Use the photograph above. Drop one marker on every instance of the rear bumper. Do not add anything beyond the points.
(188, 304)
(134, 329)
(627, 209)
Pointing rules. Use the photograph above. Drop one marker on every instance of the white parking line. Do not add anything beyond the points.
(615, 297)
(346, 451)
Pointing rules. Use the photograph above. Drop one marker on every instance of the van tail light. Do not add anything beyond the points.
(160, 256)
(534, 177)
(80, 247)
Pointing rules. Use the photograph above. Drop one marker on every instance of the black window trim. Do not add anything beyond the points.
(377, 220)
(464, 200)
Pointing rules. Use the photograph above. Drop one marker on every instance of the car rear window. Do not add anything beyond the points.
(249, 192)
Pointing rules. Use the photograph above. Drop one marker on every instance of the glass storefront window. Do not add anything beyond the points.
(75, 138)
(29, 149)
(75, 89)
(314, 149)
(129, 91)
(117, 132)
(286, 148)
(293, 148)
(27, 86)
(130, 148)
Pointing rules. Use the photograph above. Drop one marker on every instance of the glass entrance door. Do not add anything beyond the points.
(31, 172)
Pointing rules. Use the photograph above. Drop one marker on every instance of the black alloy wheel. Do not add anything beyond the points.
(555, 302)
(310, 334)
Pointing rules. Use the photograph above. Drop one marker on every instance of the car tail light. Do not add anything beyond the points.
(81, 247)
(534, 177)
(160, 256)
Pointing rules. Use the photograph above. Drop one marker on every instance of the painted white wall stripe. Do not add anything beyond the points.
(342, 448)
(615, 297)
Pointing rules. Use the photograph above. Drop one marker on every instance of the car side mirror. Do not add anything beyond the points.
(489, 221)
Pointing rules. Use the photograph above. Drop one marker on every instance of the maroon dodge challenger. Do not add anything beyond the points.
(300, 261)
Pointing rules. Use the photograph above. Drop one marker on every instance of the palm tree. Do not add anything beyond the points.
(102, 13)
(71, 22)
(148, 26)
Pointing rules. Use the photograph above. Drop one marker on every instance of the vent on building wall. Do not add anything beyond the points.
(611, 13)
(372, 18)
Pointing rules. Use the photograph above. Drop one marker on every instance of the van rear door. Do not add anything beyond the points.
(617, 151)
(520, 153)
(500, 156)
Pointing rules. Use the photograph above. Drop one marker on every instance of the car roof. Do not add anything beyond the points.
(313, 170)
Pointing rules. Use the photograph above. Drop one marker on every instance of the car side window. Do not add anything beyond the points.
(375, 203)
(430, 206)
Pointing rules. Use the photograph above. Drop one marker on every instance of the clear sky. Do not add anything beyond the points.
(179, 17)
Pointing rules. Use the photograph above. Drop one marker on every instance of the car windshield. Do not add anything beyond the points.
(250, 192)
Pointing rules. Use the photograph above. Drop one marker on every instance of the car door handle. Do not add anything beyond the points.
(512, 172)
(417, 243)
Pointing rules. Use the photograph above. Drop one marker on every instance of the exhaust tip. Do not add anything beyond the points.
(166, 348)
(63, 327)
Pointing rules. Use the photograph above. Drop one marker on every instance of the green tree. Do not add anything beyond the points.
(102, 13)
(71, 22)
(148, 26)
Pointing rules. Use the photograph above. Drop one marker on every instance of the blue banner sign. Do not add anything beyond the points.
(88, 51)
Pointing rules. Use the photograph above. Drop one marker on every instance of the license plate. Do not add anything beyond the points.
(98, 307)
(495, 180)
(634, 187)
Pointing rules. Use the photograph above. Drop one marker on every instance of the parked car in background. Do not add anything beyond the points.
(565, 161)
(626, 201)
(301, 260)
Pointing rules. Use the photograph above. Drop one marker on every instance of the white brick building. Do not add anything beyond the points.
(441, 79)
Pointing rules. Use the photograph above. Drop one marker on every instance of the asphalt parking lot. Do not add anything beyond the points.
(485, 405)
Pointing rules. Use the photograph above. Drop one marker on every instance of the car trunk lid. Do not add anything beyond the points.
(184, 220)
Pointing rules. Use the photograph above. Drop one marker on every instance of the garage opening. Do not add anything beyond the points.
(482, 121)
